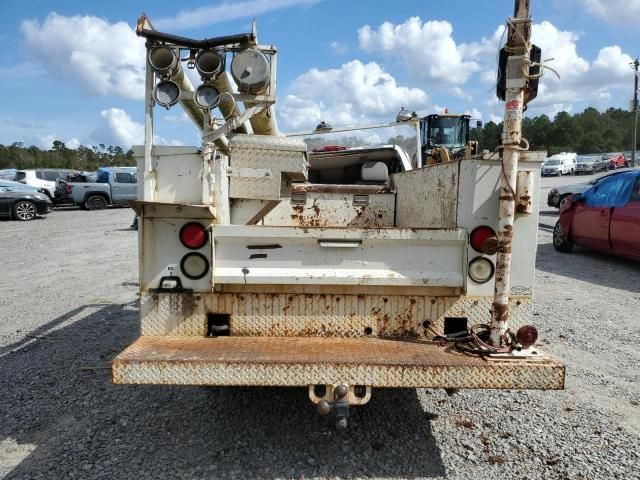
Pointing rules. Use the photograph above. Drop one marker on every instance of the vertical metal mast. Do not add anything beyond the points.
(518, 47)
(635, 64)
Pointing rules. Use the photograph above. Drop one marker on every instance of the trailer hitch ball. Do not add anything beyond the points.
(341, 391)
(324, 407)
(338, 407)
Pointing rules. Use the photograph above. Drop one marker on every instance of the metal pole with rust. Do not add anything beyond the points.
(636, 64)
(518, 46)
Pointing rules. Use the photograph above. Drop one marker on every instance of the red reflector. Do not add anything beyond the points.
(484, 240)
(527, 335)
(193, 235)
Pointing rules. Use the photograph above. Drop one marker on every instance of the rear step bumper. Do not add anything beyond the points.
(302, 361)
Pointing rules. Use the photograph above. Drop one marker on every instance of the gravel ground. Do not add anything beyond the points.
(68, 306)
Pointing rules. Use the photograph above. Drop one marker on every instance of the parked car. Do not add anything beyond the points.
(22, 205)
(560, 164)
(558, 194)
(606, 217)
(113, 186)
(591, 163)
(21, 186)
(44, 178)
(618, 160)
(7, 174)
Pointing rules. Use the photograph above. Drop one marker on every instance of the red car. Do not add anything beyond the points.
(606, 217)
(618, 161)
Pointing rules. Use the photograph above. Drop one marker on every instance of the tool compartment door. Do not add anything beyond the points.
(338, 256)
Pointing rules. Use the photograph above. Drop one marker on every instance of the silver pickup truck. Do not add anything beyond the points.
(113, 186)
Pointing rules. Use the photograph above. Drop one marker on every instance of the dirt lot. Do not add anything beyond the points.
(68, 306)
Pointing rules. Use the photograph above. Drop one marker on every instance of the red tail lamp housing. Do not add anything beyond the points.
(194, 235)
(483, 239)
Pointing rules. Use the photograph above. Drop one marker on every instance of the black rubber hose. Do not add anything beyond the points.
(154, 35)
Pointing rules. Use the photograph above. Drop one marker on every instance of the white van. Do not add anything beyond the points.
(560, 164)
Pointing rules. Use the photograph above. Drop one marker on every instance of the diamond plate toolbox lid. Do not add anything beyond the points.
(262, 167)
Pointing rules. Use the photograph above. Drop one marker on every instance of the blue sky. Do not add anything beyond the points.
(72, 70)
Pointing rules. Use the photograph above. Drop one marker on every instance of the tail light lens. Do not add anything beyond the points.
(193, 235)
(484, 240)
(481, 270)
(194, 265)
(68, 188)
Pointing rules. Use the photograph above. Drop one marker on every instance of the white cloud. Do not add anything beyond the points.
(475, 114)
(426, 50)
(615, 11)
(179, 118)
(581, 81)
(224, 12)
(353, 93)
(118, 128)
(485, 48)
(45, 142)
(72, 143)
(339, 48)
(460, 93)
(101, 58)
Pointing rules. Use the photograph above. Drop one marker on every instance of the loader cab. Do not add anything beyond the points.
(449, 131)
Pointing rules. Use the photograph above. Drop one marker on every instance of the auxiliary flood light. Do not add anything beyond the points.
(207, 96)
(163, 60)
(166, 93)
(209, 64)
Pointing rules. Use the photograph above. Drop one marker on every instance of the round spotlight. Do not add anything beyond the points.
(207, 96)
(481, 270)
(251, 70)
(166, 93)
(194, 265)
(209, 63)
(163, 60)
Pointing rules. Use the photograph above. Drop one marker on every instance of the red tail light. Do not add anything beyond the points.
(68, 188)
(193, 235)
(484, 240)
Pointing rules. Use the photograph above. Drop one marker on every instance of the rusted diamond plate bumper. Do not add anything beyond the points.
(301, 361)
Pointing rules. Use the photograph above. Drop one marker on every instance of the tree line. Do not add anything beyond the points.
(590, 131)
(17, 155)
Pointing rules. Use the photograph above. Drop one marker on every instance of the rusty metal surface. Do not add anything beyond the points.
(434, 186)
(321, 315)
(304, 361)
(331, 209)
(519, 34)
(524, 192)
(328, 188)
